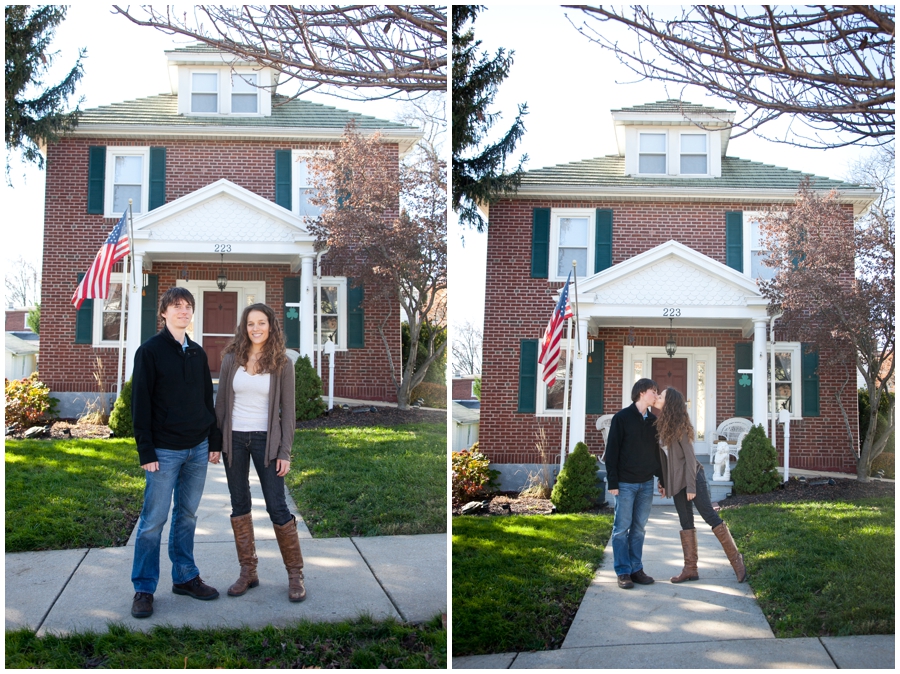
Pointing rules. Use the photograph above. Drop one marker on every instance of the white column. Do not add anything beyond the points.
(134, 283)
(579, 386)
(759, 373)
(307, 306)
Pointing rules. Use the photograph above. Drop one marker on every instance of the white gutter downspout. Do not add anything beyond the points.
(318, 350)
(772, 320)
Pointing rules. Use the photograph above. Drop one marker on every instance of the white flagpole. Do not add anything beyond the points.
(565, 428)
(575, 304)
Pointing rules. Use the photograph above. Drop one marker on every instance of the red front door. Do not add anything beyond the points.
(668, 372)
(219, 319)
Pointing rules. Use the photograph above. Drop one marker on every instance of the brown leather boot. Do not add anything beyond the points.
(689, 547)
(289, 543)
(246, 553)
(731, 551)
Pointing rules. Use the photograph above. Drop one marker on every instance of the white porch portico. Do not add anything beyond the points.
(222, 219)
(672, 281)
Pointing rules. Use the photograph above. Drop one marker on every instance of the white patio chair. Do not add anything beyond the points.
(603, 424)
(733, 430)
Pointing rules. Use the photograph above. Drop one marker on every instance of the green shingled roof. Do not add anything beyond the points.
(737, 173)
(197, 47)
(673, 105)
(162, 110)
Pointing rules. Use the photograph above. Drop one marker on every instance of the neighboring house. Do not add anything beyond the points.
(17, 319)
(462, 388)
(465, 415)
(666, 239)
(217, 171)
(22, 350)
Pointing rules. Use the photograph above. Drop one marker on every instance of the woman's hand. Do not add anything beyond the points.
(690, 496)
(214, 457)
(662, 490)
(282, 467)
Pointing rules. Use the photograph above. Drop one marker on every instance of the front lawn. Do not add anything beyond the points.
(63, 494)
(820, 568)
(518, 580)
(371, 481)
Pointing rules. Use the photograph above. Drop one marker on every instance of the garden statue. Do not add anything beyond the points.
(721, 467)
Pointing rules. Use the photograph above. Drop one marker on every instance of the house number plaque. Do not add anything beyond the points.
(223, 248)
(671, 312)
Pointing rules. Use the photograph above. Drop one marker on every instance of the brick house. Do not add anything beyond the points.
(667, 247)
(217, 173)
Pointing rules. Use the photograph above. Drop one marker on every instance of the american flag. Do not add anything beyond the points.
(550, 344)
(95, 283)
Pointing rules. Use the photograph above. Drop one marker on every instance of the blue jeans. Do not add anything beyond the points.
(632, 512)
(182, 474)
(247, 445)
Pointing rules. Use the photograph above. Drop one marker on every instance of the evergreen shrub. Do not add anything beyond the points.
(576, 487)
(756, 471)
(120, 422)
(307, 390)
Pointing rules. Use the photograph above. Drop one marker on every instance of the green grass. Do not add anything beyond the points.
(372, 481)
(362, 643)
(518, 580)
(820, 569)
(63, 494)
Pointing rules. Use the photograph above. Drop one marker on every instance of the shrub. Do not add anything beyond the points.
(756, 471)
(120, 421)
(576, 487)
(28, 402)
(307, 390)
(434, 395)
(884, 406)
(472, 476)
(885, 462)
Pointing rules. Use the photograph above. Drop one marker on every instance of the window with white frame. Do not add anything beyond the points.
(205, 92)
(127, 177)
(694, 154)
(652, 153)
(108, 314)
(550, 398)
(302, 183)
(244, 93)
(571, 239)
(754, 247)
(787, 378)
(333, 310)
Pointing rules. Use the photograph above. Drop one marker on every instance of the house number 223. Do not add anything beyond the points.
(223, 248)
(670, 313)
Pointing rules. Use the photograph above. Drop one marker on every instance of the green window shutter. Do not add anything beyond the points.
(743, 390)
(96, 178)
(84, 320)
(355, 315)
(149, 302)
(528, 356)
(603, 240)
(595, 365)
(810, 373)
(157, 178)
(292, 314)
(283, 191)
(540, 243)
(734, 240)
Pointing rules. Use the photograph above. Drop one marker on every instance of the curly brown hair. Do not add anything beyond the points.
(273, 356)
(673, 422)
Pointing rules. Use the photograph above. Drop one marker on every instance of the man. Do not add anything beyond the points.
(176, 434)
(632, 459)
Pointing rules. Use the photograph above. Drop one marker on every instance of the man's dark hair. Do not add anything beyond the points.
(640, 386)
(173, 296)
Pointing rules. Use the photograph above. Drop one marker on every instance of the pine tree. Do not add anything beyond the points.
(307, 390)
(480, 177)
(120, 421)
(576, 487)
(756, 471)
(33, 122)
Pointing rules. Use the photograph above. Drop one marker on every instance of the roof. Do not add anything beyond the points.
(20, 347)
(197, 48)
(673, 105)
(463, 415)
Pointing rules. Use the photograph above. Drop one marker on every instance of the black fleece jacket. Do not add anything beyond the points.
(172, 397)
(632, 448)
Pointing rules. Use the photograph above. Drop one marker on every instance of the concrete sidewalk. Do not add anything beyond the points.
(404, 577)
(715, 622)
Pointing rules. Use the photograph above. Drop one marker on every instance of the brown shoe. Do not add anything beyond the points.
(289, 543)
(142, 606)
(641, 578)
(624, 581)
(196, 588)
(246, 553)
(731, 551)
(689, 547)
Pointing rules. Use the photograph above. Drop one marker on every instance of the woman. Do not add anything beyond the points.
(684, 479)
(255, 410)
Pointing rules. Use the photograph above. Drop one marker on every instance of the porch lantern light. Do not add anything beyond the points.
(221, 279)
(670, 342)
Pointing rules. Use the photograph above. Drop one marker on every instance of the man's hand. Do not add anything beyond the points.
(614, 492)
(214, 457)
(282, 467)
(151, 467)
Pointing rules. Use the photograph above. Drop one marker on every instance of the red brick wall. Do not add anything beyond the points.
(15, 320)
(72, 238)
(462, 389)
(517, 307)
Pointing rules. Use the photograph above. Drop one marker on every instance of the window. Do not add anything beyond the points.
(652, 153)
(333, 308)
(127, 177)
(571, 238)
(693, 154)
(205, 92)
(108, 314)
(244, 91)
(755, 253)
(550, 398)
(787, 378)
(301, 182)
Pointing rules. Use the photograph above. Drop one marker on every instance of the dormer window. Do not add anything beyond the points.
(694, 154)
(244, 94)
(205, 92)
(652, 154)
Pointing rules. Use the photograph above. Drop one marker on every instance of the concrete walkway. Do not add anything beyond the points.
(711, 623)
(404, 577)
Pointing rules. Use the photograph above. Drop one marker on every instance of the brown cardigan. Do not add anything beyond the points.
(281, 399)
(679, 467)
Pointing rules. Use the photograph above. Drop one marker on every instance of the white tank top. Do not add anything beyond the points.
(251, 401)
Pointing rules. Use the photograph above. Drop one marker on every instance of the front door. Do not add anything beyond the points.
(672, 372)
(219, 319)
